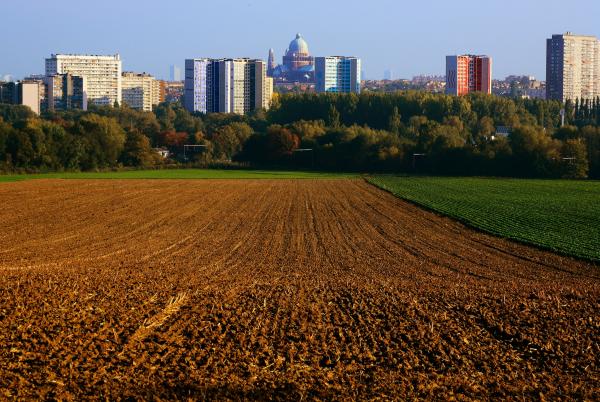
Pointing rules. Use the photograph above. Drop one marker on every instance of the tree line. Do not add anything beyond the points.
(408, 132)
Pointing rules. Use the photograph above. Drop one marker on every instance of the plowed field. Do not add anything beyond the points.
(292, 289)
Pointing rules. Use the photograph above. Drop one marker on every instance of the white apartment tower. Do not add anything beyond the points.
(337, 74)
(102, 74)
(196, 85)
(572, 67)
(226, 85)
(140, 91)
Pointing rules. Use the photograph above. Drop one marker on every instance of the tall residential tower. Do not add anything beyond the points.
(337, 74)
(65, 91)
(140, 91)
(102, 74)
(226, 85)
(468, 73)
(572, 67)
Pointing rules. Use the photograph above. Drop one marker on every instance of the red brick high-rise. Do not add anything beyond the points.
(468, 73)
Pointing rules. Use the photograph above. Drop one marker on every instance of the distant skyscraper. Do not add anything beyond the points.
(103, 74)
(226, 85)
(174, 73)
(572, 67)
(468, 73)
(140, 91)
(337, 74)
(387, 75)
(271, 63)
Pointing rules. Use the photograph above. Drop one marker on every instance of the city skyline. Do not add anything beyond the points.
(512, 32)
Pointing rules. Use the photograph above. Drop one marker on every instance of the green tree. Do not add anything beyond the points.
(226, 142)
(308, 129)
(166, 116)
(103, 138)
(137, 151)
(280, 142)
(242, 130)
(395, 122)
(20, 148)
(591, 135)
(4, 129)
(333, 117)
(574, 156)
(535, 152)
(567, 132)
(485, 129)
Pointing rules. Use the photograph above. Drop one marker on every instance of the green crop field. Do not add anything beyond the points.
(559, 215)
(180, 174)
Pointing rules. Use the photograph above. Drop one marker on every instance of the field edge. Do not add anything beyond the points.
(471, 225)
(178, 174)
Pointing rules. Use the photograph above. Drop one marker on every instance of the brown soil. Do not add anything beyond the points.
(279, 290)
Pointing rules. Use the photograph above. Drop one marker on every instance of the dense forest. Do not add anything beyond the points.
(408, 132)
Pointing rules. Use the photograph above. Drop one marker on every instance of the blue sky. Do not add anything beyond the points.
(407, 37)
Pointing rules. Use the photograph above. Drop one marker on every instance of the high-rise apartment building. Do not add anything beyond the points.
(572, 67)
(140, 91)
(196, 85)
(226, 85)
(337, 74)
(64, 92)
(7, 91)
(102, 73)
(26, 92)
(468, 73)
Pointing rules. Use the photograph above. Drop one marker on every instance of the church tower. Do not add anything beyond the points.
(271, 63)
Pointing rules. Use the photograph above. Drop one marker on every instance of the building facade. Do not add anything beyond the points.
(572, 67)
(141, 91)
(26, 93)
(64, 92)
(338, 74)
(102, 73)
(7, 91)
(29, 94)
(226, 85)
(468, 73)
(195, 87)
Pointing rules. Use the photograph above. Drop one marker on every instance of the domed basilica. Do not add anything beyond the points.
(298, 65)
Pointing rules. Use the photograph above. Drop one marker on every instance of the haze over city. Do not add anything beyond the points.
(408, 38)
